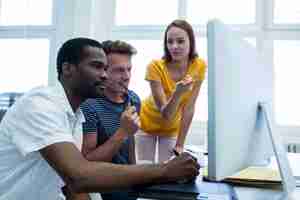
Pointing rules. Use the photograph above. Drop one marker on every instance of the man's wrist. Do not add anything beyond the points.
(158, 172)
(121, 135)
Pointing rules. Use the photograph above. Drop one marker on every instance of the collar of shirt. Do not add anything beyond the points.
(62, 97)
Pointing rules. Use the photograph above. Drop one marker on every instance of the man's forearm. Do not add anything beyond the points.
(71, 195)
(131, 150)
(107, 150)
(104, 176)
(82, 175)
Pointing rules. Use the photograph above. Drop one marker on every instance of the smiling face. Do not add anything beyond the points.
(178, 44)
(90, 73)
(118, 73)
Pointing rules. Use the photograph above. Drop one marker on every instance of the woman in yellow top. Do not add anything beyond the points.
(175, 82)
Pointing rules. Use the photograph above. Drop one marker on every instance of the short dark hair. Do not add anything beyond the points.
(182, 24)
(72, 51)
(118, 46)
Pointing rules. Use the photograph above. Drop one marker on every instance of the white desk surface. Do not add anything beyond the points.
(244, 193)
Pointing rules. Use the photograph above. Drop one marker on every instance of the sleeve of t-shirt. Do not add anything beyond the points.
(138, 105)
(202, 69)
(135, 99)
(90, 114)
(38, 123)
(153, 72)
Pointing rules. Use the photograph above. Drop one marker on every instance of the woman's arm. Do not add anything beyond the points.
(187, 116)
(169, 107)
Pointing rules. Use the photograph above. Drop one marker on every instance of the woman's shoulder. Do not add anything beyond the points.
(157, 62)
(157, 66)
(199, 62)
(198, 68)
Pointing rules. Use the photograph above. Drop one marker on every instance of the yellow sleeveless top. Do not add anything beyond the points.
(151, 120)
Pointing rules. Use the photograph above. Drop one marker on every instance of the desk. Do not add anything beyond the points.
(250, 193)
(245, 193)
(242, 193)
(188, 191)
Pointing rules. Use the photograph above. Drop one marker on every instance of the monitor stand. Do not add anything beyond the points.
(288, 180)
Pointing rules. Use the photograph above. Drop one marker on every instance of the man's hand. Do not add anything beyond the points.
(178, 149)
(130, 121)
(181, 168)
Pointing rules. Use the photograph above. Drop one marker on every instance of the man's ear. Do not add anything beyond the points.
(67, 69)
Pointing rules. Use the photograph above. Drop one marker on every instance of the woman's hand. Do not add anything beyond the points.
(184, 85)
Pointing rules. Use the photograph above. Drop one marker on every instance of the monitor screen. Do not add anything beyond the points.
(238, 80)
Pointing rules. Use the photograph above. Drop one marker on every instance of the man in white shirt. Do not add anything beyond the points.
(37, 136)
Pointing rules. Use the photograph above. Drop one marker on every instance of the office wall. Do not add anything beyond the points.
(94, 18)
(77, 18)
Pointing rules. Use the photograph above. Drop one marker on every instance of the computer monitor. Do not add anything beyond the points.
(238, 80)
(241, 131)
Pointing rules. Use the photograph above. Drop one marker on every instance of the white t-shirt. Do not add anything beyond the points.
(39, 118)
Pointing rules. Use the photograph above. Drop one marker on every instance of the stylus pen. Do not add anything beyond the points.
(191, 151)
(175, 152)
(126, 89)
